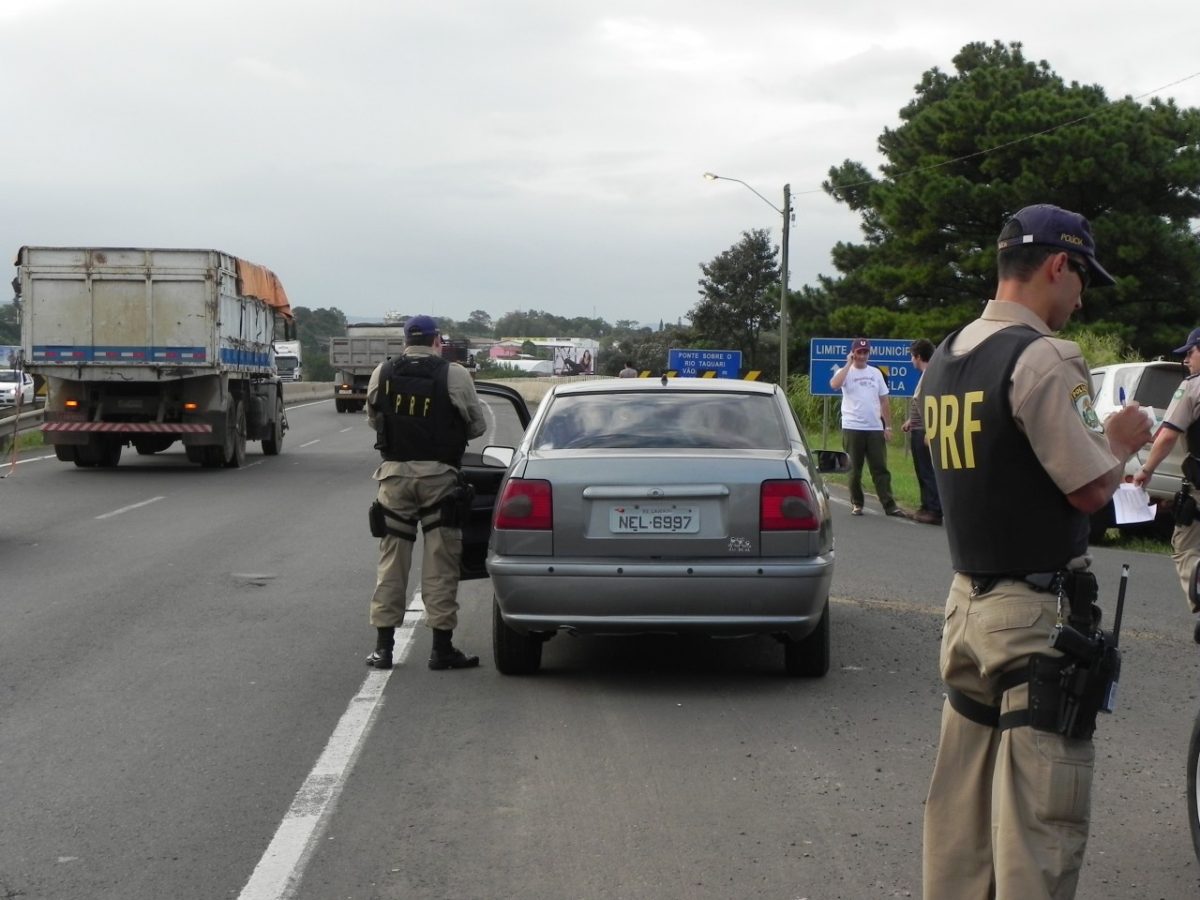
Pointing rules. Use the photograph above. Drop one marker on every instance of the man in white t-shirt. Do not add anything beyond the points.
(866, 425)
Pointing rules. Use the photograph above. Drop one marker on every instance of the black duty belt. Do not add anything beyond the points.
(1044, 582)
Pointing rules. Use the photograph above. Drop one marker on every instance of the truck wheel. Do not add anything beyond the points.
(194, 454)
(271, 445)
(110, 454)
(235, 436)
(65, 452)
(87, 456)
(339, 405)
(213, 456)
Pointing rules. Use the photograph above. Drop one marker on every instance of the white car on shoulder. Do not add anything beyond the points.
(1151, 385)
(16, 385)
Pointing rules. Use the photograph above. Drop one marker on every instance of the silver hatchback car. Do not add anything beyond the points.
(663, 506)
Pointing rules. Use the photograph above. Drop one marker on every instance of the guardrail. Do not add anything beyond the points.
(31, 419)
(532, 389)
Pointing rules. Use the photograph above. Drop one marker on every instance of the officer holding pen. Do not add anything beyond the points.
(1021, 460)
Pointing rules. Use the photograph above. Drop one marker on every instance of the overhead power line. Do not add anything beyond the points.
(1003, 146)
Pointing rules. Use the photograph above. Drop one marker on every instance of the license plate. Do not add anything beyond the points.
(654, 519)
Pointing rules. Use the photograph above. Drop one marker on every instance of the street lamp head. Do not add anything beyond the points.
(786, 212)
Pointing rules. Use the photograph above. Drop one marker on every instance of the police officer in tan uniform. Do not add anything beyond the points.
(1182, 418)
(423, 410)
(1021, 460)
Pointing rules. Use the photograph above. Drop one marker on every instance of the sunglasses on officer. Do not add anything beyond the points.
(1080, 268)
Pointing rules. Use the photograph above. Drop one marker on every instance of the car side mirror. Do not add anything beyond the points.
(498, 457)
(833, 461)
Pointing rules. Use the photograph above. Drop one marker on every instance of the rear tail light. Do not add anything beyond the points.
(787, 506)
(525, 505)
(71, 404)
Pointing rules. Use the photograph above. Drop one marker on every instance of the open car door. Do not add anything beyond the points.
(508, 416)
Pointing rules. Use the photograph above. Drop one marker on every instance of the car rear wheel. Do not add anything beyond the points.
(809, 657)
(1193, 785)
(515, 653)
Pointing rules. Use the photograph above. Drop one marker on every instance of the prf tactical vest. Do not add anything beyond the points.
(418, 421)
(1191, 464)
(1004, 514)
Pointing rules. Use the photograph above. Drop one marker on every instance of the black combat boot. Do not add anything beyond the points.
(384, 642)
(446, 656)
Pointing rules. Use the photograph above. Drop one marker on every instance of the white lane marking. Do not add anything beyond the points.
(277, 875)
(125, 509)
(28, 460)
(344, 430)
(309, 444)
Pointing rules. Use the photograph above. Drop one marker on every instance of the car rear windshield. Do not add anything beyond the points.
(1157, 385)
(718, 421)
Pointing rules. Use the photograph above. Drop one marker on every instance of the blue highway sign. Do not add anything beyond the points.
(699, 363)
(827, 355)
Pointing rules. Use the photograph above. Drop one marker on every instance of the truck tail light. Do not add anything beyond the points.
(525, 505)
(71, 404)
(190, 406)
(787, 506)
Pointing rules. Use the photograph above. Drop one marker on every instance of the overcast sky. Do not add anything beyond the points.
(455, 155)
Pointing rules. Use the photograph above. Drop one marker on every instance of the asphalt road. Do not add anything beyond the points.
(182, 651)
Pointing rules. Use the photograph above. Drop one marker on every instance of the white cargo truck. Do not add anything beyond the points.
(355, 357)
(287, 360)
(150, 346)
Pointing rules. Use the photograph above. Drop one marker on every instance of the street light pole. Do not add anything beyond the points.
(783, 288)
(786, 212)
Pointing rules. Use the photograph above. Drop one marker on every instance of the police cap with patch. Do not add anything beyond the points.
(420, 326)
(1053, 226)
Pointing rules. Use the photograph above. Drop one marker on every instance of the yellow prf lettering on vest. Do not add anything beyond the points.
(951, 421)
(412, 405)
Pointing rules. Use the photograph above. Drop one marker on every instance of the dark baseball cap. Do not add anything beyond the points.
(860, 344)
(1192, 341)
(421, 326)
(1054, 226)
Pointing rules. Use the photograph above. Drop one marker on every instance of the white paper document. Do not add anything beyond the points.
(1132, 504)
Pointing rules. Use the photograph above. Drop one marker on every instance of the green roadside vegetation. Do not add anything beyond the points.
(26, 440)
